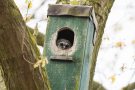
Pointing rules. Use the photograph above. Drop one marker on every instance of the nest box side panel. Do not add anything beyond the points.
(84, 85)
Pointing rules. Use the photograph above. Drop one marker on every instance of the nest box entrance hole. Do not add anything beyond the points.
(65, 38)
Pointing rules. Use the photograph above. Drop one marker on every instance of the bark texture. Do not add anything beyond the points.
(18, 52)
(102, 10)
(39, 38)
(129, 86)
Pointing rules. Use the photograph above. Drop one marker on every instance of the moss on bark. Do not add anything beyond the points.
(18, 51)
(102, 10)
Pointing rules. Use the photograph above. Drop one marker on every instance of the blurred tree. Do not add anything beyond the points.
(18, 51)
(97, 86)
(63, 1)
(129, 86)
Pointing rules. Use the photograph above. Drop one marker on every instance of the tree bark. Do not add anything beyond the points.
(102, 10)
(18, 52)
(40, 37)
(129, 86)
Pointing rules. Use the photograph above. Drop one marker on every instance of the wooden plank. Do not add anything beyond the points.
(87, 58)
(63, 58)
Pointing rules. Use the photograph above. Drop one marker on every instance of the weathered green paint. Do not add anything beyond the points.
(70, 75)
(87, 58)
(69, 69)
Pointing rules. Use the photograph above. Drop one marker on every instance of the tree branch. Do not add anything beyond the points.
(98, 86)
(102, 10)
(40, 37)
(129, 86)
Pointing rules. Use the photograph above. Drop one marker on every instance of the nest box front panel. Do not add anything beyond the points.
(64, 48)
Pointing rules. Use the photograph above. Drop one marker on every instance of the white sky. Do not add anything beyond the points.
(112, 58)
(116, 60)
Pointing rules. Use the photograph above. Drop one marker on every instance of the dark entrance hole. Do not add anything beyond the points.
(65, 38)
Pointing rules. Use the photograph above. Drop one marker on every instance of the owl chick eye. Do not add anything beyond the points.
(61, 44)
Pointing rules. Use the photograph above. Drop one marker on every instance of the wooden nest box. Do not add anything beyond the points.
(68, 46)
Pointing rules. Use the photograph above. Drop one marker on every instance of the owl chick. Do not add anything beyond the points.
(63, 44)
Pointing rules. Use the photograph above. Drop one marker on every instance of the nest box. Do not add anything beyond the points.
(68, 46)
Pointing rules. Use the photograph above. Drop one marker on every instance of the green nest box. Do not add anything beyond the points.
(68, 46)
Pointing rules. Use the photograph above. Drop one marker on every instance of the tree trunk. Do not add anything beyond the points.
(18, 52)
(102, 10)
